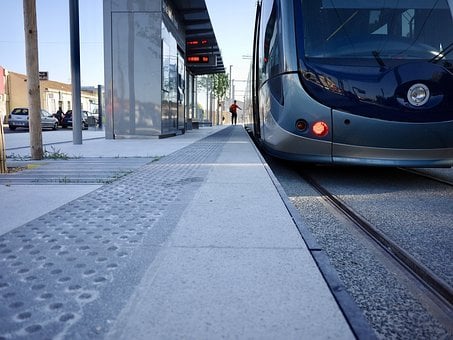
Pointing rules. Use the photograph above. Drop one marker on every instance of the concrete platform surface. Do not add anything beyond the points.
(196, 243)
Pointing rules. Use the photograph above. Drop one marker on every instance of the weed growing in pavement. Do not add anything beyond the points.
(55, 154)
(115, 177)
(16, 157)
(64, 180)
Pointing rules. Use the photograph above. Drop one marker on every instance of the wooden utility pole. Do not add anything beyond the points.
(34, 94)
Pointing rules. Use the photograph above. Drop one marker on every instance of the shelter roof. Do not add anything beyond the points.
(198, 26)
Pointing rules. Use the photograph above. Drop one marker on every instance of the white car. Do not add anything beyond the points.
(19, 118)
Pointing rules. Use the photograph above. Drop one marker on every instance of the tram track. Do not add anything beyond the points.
(440, 290)
(427, 176)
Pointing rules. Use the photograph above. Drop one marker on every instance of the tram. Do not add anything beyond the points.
(354, 82)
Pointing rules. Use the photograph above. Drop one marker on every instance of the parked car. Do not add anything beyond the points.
(67, 120)
(19, 118)
(93, 118)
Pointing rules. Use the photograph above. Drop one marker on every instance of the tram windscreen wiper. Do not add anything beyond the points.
(378, 58)
(442, 54)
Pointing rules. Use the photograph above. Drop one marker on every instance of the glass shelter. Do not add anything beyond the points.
(149, 73)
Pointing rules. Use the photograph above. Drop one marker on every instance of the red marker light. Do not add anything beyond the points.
(320, 129)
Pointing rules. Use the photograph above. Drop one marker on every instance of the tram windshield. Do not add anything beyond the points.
(373, 31)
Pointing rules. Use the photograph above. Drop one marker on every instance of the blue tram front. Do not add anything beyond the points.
(355, 82)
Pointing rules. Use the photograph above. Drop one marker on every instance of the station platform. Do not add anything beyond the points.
(195, 241)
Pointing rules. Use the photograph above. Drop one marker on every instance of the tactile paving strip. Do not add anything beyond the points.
(72, 171)
(68, 273)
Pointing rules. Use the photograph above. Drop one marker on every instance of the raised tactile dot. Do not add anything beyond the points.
(66, 317)
(17, 304)
(85, 296)
(37, 287)
(56, 305)
(33, 328)
(8, 295)
(99, 280)
(46, 296)
(24, 316)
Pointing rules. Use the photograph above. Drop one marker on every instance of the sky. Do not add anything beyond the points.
(232, 21)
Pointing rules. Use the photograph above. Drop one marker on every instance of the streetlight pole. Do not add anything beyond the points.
(231, 82)
(75, 72)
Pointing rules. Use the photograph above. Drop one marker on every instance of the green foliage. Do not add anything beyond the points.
(219, 83)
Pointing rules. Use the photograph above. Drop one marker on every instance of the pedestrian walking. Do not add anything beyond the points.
(234, 113)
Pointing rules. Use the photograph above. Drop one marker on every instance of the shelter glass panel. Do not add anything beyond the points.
(136, 61)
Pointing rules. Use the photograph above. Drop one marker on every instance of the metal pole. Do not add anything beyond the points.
(3, 167)
(207, 98)
(230, 96)
(100, 106)
(34, 93)
(195, 116)
(75, 72)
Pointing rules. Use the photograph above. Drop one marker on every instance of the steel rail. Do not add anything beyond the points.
(428, 176)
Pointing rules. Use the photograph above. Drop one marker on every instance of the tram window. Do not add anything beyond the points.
(396, 30)
(270, 59)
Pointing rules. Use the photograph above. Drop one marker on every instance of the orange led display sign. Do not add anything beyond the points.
(197, 43)
(198, 59)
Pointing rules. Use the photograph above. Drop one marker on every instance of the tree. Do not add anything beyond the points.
(221, 85)
(217, 84)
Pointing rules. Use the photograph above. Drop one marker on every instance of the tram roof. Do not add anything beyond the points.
(198, 26)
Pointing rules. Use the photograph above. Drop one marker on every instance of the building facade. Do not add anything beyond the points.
(13, 93)
(149, 87)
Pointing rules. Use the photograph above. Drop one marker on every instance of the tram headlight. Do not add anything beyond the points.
(418, 94)
(320, 129)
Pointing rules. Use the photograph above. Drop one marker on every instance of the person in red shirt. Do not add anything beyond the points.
(234, 113)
